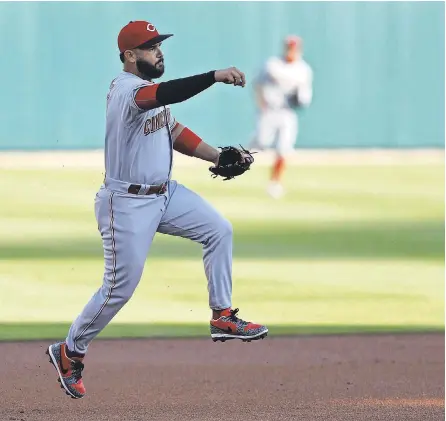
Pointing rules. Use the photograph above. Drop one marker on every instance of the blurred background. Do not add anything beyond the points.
(357, 243)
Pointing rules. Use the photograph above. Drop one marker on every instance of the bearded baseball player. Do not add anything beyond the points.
(284, 86)
(138, 197)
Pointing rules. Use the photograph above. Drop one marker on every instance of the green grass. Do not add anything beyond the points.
(349, 249)
(57, 331)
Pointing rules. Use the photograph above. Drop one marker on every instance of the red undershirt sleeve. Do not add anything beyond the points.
(186, 142)
(145, 98)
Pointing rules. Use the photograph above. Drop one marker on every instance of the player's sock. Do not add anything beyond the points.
(216, 314)
(278, 167)
(73, 354)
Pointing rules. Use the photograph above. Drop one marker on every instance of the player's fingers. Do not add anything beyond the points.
(229, 77)
(243, 79)
(232, 80)
(235, 78)
(248, 159)
(240, 77)
(237, 75)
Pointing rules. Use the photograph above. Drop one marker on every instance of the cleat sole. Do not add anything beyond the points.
(222, 337)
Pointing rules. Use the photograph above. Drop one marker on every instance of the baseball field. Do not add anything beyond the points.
(347, 271)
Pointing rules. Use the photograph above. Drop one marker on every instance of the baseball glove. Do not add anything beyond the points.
(232, 162)
(293, 100)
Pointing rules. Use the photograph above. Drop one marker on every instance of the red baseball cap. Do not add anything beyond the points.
(137, 33)
(293, 41)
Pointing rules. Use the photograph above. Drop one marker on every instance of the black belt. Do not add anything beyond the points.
(135, 188)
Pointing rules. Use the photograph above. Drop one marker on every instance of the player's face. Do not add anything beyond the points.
(293, 49)
(292, 53)
(150, 62)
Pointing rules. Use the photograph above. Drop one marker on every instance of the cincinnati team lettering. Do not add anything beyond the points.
(156, 122)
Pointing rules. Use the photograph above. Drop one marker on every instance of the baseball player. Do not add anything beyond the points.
(284, 85)
(138, 197)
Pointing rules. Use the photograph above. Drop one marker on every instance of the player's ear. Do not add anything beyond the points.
(130, 56)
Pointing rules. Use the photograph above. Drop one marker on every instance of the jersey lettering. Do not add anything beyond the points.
(156, 122)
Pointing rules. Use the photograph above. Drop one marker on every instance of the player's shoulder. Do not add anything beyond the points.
(306, 66)
(129, 80)
(273, 60)
(272, 64)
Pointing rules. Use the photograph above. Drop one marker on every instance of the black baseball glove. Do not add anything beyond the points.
(293, 100)
(232, 162)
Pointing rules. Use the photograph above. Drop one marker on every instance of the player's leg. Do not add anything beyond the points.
(127, 226)
(190, 216)
(265, 132)
(287, 134)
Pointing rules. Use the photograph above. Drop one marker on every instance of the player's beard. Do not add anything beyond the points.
(149, 71)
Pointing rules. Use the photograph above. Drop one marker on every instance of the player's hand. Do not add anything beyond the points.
(231, 76)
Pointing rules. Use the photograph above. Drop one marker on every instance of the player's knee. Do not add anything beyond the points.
(124, 292)
(223, 228)
(121, 297)
(122, 282)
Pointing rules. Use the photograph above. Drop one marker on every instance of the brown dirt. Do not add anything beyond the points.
(388, 377)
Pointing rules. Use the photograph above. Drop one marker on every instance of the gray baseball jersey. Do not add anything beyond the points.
(277, 124)
(280, 79)
(137, 144)
(138, 150)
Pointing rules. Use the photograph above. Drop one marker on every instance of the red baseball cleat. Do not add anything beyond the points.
(68, 369)
(229, 326)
